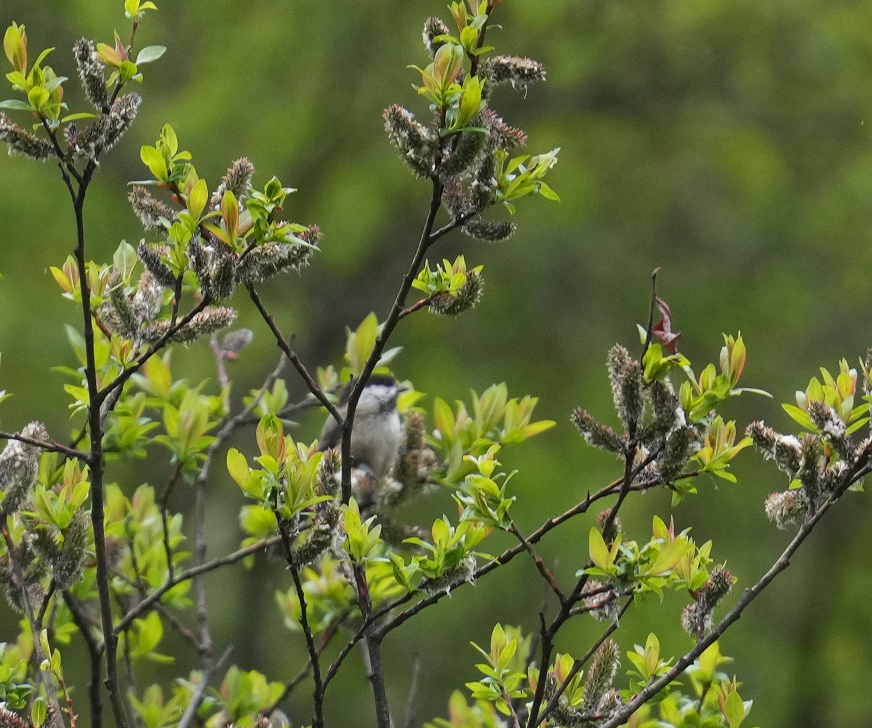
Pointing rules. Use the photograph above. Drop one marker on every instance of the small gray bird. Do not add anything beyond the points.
(375, 437)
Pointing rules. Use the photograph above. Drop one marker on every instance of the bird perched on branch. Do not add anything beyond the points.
(375, 435)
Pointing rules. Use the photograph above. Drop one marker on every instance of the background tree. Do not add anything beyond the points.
(724, 142)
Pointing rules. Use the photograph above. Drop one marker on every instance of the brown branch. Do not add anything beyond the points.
(500, 560)
(152, 350)
(860, 468)
(387, 328)
(577, 665)
(47, 445)
(326, 637)
(565, 612)
(94, 652)
(188, 574)
(162, 503)
(95, 459)
(418, 305)
(372, 642)
(544, 572)
(291, 355)
(314, 660)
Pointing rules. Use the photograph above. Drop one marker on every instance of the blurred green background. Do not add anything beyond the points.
(722, 140)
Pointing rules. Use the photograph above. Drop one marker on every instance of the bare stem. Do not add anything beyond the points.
(314, 660)
(544, 572)
(94, 652)
(200, 693)
(95, 459)
(231, 558)
(375, 668)
(749, 595)
(385, 332)
(577, 665)
(291, 355)
(47, 445)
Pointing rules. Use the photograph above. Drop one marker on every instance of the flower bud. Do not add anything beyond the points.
(433, 27)
(237, 180)
(19, 463)
(597, 434)
(91, 74)
(786, 509)
(417, 143)
(150, 255)
(602, 604)
(23, 142)
(519, 72)
(151, 212)
(491, 231)
(207, 321)
(270, 259)
(464, 154)
(446, 304)
(601, 674)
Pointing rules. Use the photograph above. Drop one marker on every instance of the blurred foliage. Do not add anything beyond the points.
(723, 141)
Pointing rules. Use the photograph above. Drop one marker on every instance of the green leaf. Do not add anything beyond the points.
(548, 193)
(801, 416)
(16, 105)
(78, 115)
(149, 54)
(124, 260)
(38, 97)
(154, 160)
(669, 556)
(534, 428)
(599, 552)
(197, 198)
(237, 466)
(444, 417)
(364, 342)
(734, 709)
(38, 712)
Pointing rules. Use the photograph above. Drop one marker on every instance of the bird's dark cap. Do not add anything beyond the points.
(380, 379)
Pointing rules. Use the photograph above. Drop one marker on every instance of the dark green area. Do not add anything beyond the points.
(723, 141)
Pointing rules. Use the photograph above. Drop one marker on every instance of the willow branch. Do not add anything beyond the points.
(47, 445)
(231, 558)
(860, 468)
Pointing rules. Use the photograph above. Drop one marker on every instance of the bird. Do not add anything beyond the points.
(377, 429)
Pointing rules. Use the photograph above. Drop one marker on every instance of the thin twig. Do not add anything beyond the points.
(291, 355)
(411, 709)
(231, 558)
(45, 602)
(157, 346)
(228, 427)
(375, 668)
(162, 504)
(650, 330)
(47, 445)
(859, 469)
(325, 639)
(418, 305)
(578, 664)
(387, 328)
(544, 572)
(314, 661)
(200, 693)
(94, 651)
